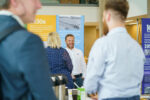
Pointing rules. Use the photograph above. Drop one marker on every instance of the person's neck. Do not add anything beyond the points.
(111, 27)
(16, 16)
(12, 11)
(70, 48)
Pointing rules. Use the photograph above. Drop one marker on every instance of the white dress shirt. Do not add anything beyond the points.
(115, 67)
(79, 65)
(8, 13)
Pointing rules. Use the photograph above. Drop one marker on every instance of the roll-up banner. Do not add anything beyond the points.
(146, 49)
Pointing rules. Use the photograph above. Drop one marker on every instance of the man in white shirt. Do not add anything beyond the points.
(77, 57)
(116, 61)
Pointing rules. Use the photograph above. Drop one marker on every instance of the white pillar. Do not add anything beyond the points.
(101, 9)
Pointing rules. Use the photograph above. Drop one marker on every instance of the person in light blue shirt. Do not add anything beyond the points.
(116, 61)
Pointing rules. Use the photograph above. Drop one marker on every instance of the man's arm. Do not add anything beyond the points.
(95, 67)
(34, 66)
(68, 61)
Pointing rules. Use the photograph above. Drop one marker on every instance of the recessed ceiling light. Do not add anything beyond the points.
(132, 24)
(129, 21)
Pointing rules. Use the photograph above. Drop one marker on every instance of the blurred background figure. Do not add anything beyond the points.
(24, 67)
(58, 58)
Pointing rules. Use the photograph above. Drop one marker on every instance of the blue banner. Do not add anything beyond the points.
(146, 48)
(71, 25)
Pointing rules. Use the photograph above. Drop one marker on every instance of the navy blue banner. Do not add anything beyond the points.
(146, 48)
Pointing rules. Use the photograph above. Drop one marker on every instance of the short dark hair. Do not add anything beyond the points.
(4, 4)
(121, 6)
(68, 36)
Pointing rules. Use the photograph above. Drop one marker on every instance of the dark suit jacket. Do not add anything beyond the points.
(24, 66)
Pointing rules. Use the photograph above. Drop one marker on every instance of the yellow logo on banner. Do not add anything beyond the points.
(43, 25)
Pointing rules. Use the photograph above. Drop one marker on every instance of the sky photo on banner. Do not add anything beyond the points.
(71, 25)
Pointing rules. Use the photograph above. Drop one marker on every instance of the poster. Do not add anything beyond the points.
(146, 49)
(71, 25)
(43, 25)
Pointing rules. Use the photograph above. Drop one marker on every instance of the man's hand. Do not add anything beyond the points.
(83, 78)
(73, 77)
(93, 96)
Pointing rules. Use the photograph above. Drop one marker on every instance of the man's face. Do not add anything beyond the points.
(29, 9)
(70, 42)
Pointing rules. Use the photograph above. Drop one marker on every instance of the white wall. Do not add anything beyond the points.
(90, 13)
(137, 8)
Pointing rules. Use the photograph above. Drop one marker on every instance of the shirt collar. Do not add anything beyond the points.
(70, 49)
(118, 30)
(8, 13)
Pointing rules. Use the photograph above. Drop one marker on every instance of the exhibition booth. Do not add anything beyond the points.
(83, 23)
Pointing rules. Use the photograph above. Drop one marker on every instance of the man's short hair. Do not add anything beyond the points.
(120, 6)
(68, 36)
(4, 4)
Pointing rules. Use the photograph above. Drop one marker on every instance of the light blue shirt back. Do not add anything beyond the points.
(116, 66)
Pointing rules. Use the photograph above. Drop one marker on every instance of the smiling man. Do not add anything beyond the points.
(23, 64)
(77, 57)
